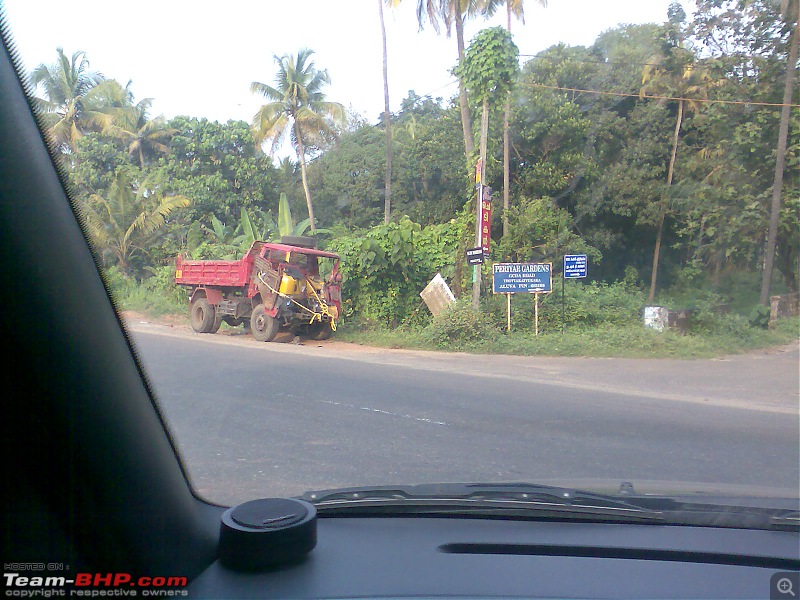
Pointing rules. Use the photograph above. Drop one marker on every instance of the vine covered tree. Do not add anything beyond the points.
(489, 69)
(451, 14)
(513, 8)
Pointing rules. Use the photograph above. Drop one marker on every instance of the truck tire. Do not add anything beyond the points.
(320, 331)
(303, 241)
(202, 315)
(264, 327)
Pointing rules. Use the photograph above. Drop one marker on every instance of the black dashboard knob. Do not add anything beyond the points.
(265, 533)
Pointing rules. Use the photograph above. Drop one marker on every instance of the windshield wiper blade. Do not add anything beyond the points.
(521, 499)
(530, 500)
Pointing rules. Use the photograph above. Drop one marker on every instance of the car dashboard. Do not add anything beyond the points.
(421, 557)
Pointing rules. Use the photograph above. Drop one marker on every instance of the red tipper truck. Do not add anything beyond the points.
(273, 286)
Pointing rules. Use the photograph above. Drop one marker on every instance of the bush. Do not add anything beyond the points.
(386, 267)
(459, 325)
(759, 316)
(619, 303)
(156, 295)
(708, 320)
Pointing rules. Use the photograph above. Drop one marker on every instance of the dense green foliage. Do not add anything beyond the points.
(667, 128)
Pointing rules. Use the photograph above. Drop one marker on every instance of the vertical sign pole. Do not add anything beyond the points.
(563, 320)
(508, 310)
(476, 276)
(536, 313)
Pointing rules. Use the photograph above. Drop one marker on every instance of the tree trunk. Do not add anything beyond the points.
(506, 142)
(387, 203)
(466, 119)
(301, 156)
(506, 165)
(780, 161)
(476, 285)
(663, 209)
(717, 278)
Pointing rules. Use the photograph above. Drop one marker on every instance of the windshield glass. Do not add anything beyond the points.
(567, 233)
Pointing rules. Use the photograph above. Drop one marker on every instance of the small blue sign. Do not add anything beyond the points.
(518, 278)
(575, 266)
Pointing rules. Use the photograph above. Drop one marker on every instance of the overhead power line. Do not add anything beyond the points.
(650, 97)
(628, 95)
(589, 61)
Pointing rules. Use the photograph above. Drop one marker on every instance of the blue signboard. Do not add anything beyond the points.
(575, 266)
(518, 278)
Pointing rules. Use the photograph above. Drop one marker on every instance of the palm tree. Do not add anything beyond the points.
(453, 14)
(66, 86)
(387, 206)
(120, 222)
(297, 107)
(673, 73)
(143, 136)
(790, 10)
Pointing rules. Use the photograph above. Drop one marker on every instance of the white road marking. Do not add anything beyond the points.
(385, 412)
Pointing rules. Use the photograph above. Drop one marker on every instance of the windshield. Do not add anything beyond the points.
(566, 235)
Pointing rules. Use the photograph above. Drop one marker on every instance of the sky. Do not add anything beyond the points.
(199, 58)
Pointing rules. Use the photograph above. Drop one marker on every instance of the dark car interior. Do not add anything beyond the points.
(93, 482)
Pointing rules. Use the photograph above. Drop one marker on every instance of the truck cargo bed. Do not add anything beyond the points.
(212, 272)
(220, 273)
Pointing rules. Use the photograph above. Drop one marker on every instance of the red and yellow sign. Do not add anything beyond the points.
(486, 225)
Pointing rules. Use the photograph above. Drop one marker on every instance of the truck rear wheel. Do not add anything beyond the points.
(202, 316)
(264, 327)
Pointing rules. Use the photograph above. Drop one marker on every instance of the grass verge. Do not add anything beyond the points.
(464, 330)
(626, 341)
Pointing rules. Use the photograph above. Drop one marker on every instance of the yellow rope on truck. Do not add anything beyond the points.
(326, 312)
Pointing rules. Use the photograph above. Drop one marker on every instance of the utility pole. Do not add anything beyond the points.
(480, 177)
(476, 273)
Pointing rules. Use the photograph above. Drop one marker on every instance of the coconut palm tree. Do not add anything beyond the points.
(143, 136)
(66, 87)
(451, 14)
(297, 107)
(120, 222)
(387, 124)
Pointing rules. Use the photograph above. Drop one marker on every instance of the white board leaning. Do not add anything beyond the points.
(437, 295)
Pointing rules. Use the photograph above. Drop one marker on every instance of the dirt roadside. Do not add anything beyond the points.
(766, 380)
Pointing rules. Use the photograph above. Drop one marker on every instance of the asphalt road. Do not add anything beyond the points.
(255, 420)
